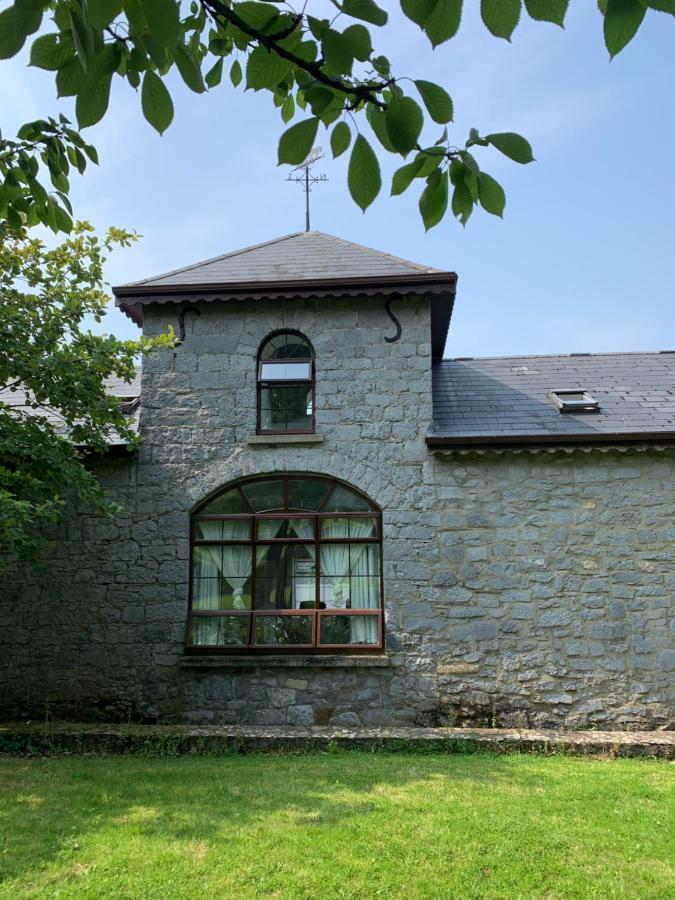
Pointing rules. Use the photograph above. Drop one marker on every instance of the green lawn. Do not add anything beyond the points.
(337, 825)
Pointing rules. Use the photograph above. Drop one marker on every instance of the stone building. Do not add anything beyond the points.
(327, 522)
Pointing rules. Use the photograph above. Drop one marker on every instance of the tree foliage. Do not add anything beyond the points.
(324, 71)
(54, 407)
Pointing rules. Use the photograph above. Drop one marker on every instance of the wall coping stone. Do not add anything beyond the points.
(273, 440)
(307, 661)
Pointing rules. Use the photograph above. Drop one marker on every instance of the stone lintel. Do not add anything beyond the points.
(272, 440)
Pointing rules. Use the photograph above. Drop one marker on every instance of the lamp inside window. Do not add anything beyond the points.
(577, 401)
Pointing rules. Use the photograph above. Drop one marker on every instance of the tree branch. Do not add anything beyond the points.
(363, 92)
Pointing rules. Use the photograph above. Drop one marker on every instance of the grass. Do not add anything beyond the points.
(347, 824)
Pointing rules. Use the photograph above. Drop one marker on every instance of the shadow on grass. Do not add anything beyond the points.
(50, 806)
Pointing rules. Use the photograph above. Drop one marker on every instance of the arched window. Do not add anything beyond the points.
(286, 563)
(285, 384)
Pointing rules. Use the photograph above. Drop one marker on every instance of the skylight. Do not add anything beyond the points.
(573, 401)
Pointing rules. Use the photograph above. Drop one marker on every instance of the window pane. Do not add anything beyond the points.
(284, 408)
(265, 494)
(348, 629)
(297, 371)
(221, 577)
(344, 500)
(233, 530)
(285, 576)
(220, 631)
(286, 528)
(280, 630)
(350, 576)
(225, 504)
(306, 493)
(286, 346)
(207, 562)
(343, 528)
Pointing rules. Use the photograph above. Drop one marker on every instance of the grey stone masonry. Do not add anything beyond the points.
(521, 590)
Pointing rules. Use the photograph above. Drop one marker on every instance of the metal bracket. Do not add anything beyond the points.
(181, 319)
(392, 316)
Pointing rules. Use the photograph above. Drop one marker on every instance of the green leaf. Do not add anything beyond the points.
(47, 53)
(83, 36)
(357, 38)
(163, 21)
(434, 199)
(189, 68)
(366, 10)
(437, 101)
(377, 120)
(547, 10)
(404, 122)
(491, 194)
(102, 12)
(214, 75)
(287, 109)
(296, 142)
(512, 145)
(12, 34)
(265, 70)
(363, 176)
(462, 200)
(70, 79)
(338, 56)
(622, 20)
(666, 6)
(340, 139)
(156, 102)
(439, 19)
(93, 98)
(235, 73)
(500, 16)
(404, 176)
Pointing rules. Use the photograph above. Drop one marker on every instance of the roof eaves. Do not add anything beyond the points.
(599, 439)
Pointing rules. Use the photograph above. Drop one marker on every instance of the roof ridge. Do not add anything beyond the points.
(212, 259)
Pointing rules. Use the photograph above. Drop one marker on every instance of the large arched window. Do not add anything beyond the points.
(286, 563)
(285, 384)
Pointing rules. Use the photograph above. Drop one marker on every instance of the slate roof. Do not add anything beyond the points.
(118, 388)
(503, 400)
(302, 256)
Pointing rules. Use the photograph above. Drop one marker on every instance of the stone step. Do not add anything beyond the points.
(69, 737)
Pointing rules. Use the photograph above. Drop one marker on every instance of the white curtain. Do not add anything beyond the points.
(357, 568)
(232, 563)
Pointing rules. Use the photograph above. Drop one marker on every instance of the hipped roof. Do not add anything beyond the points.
(301, 265)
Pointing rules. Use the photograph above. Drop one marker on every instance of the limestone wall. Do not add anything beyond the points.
(519, 589)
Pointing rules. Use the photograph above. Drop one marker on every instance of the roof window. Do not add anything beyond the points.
(573, 401)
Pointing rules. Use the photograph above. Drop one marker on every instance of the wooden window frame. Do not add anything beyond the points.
(308, 383)
(253, 541)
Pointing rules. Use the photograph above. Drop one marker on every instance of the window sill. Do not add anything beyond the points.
(267, 440)
(308, 661)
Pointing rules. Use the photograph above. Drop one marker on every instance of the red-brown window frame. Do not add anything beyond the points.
(317, 613)
(267, 382)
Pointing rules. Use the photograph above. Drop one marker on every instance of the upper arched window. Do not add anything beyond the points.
(286, 384)
(286, 563)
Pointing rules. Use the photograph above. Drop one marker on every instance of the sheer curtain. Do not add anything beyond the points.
(207, 593)
(365, 584)
(356, 566)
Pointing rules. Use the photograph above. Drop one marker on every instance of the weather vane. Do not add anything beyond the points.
(301, 175)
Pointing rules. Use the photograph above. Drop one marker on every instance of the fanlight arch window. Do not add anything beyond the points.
(286, 563)
(285, 384)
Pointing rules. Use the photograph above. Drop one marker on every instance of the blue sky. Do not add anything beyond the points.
(584, 259)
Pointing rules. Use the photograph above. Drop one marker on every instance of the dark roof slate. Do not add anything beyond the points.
(502, 399)
(305, 255)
